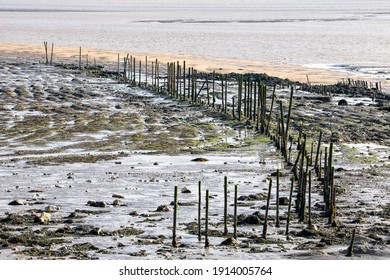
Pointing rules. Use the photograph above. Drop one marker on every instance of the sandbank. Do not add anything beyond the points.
(221, 65)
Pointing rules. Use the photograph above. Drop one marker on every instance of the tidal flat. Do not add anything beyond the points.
(89, 166)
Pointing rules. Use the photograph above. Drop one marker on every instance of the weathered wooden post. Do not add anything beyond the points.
(174, 242)
(350, 248)
(146, 71)
(207, 243)
(277, 197)
(235, 211)
(270, 113)
(240, 78)
(184, 80)
(46, 55)
(309, 219)
(51, 54)
(225, 211)
(226, 91)
(265, 226)
(118, 70)
(80, 59)
(139, 74)
(289, 114)
(199, 211)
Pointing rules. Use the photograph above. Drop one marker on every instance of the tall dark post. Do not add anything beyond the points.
(207, 243)
(235, 211)
(174, 242)
(309, 220)
(265, 226)
(277, 198)
(51, 54)
(239, 96)
(270, 113)
(199, 210)
(225, 206)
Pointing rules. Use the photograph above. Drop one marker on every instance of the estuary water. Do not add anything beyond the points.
(351, 35)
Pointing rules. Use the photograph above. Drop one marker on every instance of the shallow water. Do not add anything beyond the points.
(349, 35)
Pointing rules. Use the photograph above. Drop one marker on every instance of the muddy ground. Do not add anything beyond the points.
(88, 168)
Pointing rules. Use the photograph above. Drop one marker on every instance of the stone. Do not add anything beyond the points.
(231, 241)
(43, 218)
(163, 208)
(16, 202)
(118, 202)
(118, 196)
(185, 190)
(200, 159)
(52, 208)
(283, 201)
(342, 102)
(251, 220)
(93, 203)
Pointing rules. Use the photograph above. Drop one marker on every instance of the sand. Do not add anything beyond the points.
(221, 65)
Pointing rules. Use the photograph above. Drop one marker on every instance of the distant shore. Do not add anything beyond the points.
(285, 71)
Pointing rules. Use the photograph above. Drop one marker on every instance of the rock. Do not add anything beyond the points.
(16, 202)
(96, 231)
(309, 233)
(251, 197)
(133, 213)
(200, 159)
(230, 242)
(283, 201)
(250, 220)
(43, 218)
(118, 202)
(163, 208)
(141, 253)
(185, 190)
(312, 227)
(52, 208)
(342, 102)
(118, 196)
(93, 203)
(274, 174)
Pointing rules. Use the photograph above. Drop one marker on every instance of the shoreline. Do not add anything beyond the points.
(296, 73)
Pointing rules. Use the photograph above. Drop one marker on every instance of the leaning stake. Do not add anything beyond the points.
(350, 248)
(265, 227)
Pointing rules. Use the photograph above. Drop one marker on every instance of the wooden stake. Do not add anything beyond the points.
(235, 211)
(265, 226)
(207, 243)
(199, 211)
(46, 55)
(277, 198)
(51, 55)
(225, 211)
(309, 220)
(174, 242)
(350, 248)
(289, 206)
